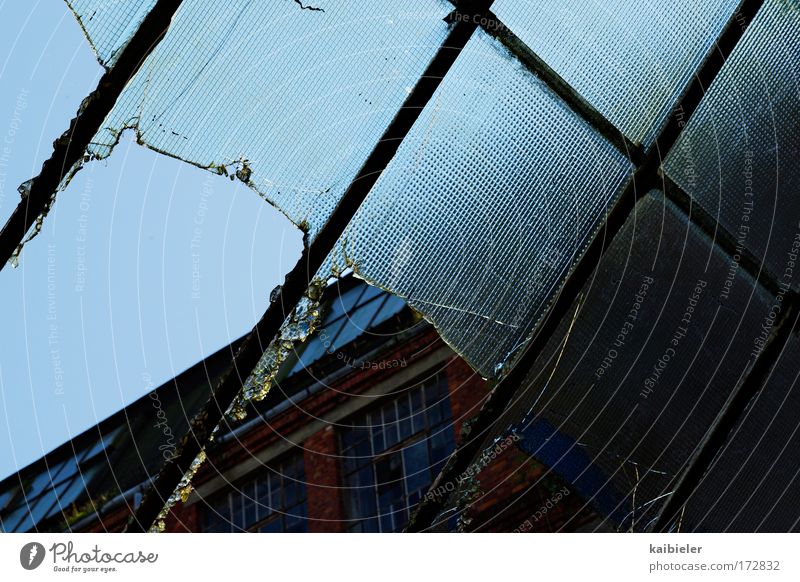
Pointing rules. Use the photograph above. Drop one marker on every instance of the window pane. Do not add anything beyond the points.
(11, 521)
(237, 512)
(344, 303)
(77, 487)
(395, 479)
(5, 498)
(390, 428)
(392, 306)
(378, 437)
(630, 59)
(486, 206)
(737, 156)
(404, 421)
(59, 505)
(249, 504)
(217, 517)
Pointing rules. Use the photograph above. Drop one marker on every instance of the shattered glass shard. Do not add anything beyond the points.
(476, 221)
(289, 101)
(109, 25)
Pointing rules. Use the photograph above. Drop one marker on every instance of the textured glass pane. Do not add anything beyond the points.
(738, 156)
(642, 364)
(630, 59)
(290, 101)
(754, 483)
(11, 520)
(109, 24)
(489, 200)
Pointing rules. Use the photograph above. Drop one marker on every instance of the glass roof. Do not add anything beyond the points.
(500, 186)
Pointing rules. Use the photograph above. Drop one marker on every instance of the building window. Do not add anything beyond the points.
(275, 501)
(55, 488)
(391, 454)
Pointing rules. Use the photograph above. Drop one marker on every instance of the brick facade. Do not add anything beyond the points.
(513, 487)
(468, 391)
(320, 456)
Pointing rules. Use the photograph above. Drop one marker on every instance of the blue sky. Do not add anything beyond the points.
(144, 266)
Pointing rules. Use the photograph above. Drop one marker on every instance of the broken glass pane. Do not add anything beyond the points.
(631, 60)
(476, 221)
(109, 25)
(298, 129)
(287, 100)
(738, 155)
(486, 206)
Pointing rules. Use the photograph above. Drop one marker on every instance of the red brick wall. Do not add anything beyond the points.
(468, 391)
(320, 457)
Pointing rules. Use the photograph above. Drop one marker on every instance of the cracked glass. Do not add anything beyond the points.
(109, 24)
(289, 100)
